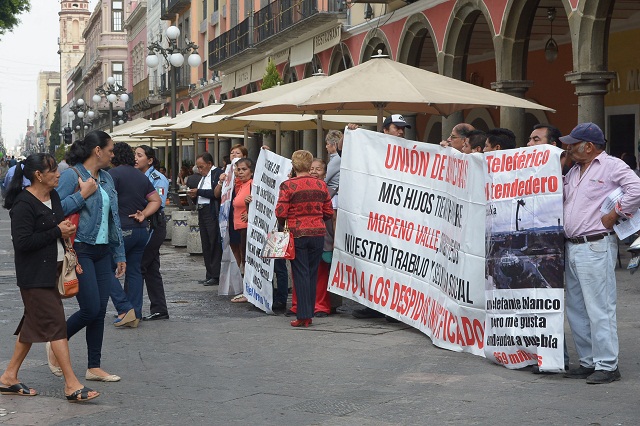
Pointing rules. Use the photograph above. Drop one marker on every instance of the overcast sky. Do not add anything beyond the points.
(32, 47)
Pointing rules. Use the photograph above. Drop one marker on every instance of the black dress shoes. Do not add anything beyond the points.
(210, 282)
(156, 316)
(204, 281)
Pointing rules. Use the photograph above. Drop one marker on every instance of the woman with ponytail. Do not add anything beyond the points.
(89, 190)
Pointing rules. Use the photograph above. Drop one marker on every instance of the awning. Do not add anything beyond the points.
(301, 53)
(243, 76)
(280, 57)
(228, 82)
(258, 69)
(327, 39)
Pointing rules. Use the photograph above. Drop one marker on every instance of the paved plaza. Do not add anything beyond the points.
(218, 363)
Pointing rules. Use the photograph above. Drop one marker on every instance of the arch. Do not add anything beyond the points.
(289, 74)
(191, 105)
(590, 26)
(182, 108)
(75, 31)
(212, 99)
(417, 30)
(458, 36)
(200, 103)
(312, 67)
(341, 59)
(433, 130)
(537, 115)
(374, 40)
(479, 116)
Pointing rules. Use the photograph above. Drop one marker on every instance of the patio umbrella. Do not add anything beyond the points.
(277, 122)
(129, 126)
(160, 128)
(382, 86)
(236, 104)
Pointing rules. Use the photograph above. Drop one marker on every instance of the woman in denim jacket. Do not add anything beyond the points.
(87, 189)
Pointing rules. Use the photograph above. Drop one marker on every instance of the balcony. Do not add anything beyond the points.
(170, 8)
(273, 25)
(182, 81)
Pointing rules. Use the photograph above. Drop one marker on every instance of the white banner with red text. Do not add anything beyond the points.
(411, 238)
(525, 258)
(270, 171)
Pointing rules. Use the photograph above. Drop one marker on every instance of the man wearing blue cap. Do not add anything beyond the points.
(592, 248)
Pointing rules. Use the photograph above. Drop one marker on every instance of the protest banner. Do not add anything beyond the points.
(230, 277)
(270, 171)
(525, 258)
(410, 237)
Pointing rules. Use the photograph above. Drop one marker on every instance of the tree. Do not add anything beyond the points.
(271, 77)
(9, 10)
(60, 153)
(54, 130)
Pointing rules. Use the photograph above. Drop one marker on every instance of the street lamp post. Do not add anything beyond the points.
(174, 58)
(112, 91)
(82, 110)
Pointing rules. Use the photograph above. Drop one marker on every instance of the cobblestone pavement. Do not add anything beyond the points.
(217, 363)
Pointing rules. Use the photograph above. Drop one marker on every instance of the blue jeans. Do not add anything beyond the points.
(135, 240)
(95, 285)
(304, 269)
(591, 301)
(282, 279)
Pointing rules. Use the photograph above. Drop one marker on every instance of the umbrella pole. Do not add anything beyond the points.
(166, 152)
(319, 134)
(278, 136)
(216, 148)
(195, 147)
(246, 136)
(380, 107)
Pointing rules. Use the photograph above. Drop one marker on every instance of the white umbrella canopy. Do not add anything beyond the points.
(282, 122)
(382, 85)
(161, 129)
(239, 103)
(129, 126)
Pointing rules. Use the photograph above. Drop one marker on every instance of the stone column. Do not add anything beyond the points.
(199, 148)
(591, 86)
(309, 141)
(514, 118)
(410, 134)
(448, 123)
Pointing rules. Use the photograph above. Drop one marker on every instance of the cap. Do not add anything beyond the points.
(585, 132)
(396, 119)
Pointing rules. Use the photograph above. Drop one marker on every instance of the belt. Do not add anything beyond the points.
(589, 238)
(202, 206)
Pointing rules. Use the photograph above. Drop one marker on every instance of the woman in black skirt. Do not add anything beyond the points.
(37, 229)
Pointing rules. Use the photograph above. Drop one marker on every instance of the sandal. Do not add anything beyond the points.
(83, 394)
(17, 389)
(239, 299)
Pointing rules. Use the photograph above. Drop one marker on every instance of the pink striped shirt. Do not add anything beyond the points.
(584, 195)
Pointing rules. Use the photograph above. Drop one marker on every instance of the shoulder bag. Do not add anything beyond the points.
(68, 279)
(279, 245)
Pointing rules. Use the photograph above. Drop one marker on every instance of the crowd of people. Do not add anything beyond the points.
(120, 195)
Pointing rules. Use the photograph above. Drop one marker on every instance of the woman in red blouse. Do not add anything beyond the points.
(304, 203)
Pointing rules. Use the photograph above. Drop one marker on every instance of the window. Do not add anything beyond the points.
(117, 71)
(117, 14)
(215, 9)
(204, 9)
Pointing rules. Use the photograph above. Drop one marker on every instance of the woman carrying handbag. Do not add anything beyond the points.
(37, 229)
(304, 203)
